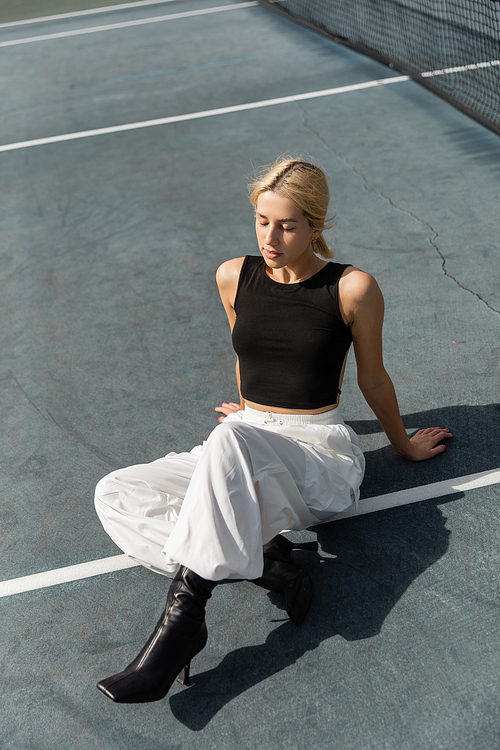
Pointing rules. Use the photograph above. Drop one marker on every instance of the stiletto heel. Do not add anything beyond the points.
(308, 546)
(183, 677)
(180, 634)
(281, 548)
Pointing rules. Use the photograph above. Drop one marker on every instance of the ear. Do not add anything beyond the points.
(316, 233)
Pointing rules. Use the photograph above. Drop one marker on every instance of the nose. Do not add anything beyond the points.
(270, 238)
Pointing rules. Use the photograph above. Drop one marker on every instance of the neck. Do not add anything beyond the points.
(302, 269)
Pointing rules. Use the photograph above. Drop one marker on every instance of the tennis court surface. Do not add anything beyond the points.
(127, 137)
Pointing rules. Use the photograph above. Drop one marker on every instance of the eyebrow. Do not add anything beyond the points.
(281, 221)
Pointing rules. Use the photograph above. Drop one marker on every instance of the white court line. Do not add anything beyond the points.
(89, 12)
(127, 24)
(235, 108)
(65, 575)
(200, 115)
(367, 505)
(461, 68)
(416, 494)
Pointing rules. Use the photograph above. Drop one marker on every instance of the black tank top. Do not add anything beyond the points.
(290, 339)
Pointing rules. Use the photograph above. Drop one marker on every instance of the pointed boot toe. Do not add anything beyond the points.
(180, 634)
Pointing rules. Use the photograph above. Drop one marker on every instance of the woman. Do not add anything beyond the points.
(281, 459)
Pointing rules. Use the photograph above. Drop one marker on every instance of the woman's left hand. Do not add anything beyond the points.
(424, 444)
(227, 409)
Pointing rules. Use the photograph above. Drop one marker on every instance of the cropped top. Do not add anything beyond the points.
(290, 339)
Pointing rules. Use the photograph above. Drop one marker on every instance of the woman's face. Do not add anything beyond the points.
(283, 232)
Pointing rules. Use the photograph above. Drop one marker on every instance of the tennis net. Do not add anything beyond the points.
(450, 46)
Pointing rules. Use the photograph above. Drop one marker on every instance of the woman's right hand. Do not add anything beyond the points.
(227, 408)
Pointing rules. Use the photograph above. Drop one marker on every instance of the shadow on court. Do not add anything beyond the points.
(367, 562)
(480, 145)
(116, 349)
(471, 450)
(374, 559)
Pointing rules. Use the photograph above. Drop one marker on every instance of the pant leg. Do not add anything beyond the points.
(139, 506)
(248, 485)
(213, 509)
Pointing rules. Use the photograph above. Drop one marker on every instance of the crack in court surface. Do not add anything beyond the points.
(366, 186)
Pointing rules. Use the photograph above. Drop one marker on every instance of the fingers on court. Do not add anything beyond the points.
(443, 431)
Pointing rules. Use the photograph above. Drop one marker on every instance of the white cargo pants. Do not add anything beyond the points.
(212, 509)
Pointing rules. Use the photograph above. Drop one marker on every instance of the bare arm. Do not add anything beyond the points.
(227, 281)
(363, 307)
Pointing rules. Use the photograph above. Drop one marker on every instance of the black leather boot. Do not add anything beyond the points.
(179, 635)
(285, 577)
(281, 548)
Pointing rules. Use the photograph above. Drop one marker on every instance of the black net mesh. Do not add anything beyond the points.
(451, 46)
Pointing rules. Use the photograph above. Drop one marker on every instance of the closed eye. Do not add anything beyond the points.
(284, 229)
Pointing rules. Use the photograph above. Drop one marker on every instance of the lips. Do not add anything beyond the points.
(271, 253)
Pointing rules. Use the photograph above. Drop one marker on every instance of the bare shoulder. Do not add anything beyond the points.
(228, 273)
(358, 289)
(227, 280)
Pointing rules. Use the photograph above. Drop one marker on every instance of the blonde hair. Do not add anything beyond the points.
(305, 185)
